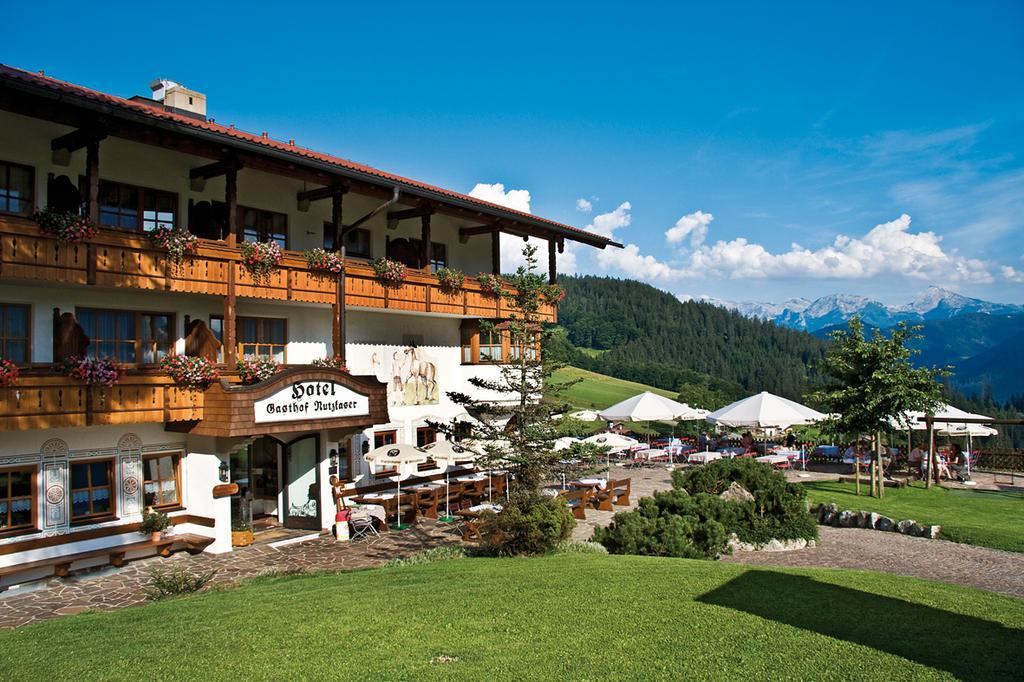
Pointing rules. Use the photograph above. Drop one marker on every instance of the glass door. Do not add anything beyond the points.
(301, 483)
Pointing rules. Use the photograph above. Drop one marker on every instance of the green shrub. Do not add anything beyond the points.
(427, 556)
(691, 520)
(153, 522)
(175, 581)
(530, 523)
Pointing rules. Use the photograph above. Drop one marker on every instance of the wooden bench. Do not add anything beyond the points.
(577, 501)
(115, 556)
(615, 492)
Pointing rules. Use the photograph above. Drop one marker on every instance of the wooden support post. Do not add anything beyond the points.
(338, 308)
(552, 263)
(932, 459)
(337, 200)
(425, 243)
(231, 200)
(92, 180)
(230, 346)
(495, 252)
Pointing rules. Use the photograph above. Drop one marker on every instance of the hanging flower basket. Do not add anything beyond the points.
(8, 373)
(490, 284)
(252, 370)
(391, 272)
(260, 259)
(325, 261)
(93, 371)
(333, 362)
(188, 371)
(177, 242)
(450, 279)
(67, 227)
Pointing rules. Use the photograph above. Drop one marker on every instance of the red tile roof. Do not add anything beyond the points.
(47, 82)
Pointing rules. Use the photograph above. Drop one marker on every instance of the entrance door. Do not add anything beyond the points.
(302, 483)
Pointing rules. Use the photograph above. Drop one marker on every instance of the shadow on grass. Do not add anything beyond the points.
(968, 647)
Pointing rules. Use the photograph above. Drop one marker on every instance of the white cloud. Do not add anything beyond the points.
(693, 225)
(584, 206)
(630, 261)
(517, 199)
(605, 224)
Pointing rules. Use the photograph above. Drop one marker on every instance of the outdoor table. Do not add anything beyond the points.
(388, 501)
(468, 479)
(703, 457)
(773, 459)
(595, 483)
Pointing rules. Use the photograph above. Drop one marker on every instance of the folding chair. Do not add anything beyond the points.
(362, 525)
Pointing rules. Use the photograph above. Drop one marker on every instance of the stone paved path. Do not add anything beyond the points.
(988, 569)
(126, 586)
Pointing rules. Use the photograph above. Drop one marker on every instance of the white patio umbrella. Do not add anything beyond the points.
(649, 406)
(765, 410)
(944, 423)
(450, 453)
(615, 442)
(585, 415)
(396, 455)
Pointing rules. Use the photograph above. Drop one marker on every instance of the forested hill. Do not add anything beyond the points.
(643, 334)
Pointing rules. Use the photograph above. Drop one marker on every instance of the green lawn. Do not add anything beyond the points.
(559, 617)
(975, 517)
(597, 390)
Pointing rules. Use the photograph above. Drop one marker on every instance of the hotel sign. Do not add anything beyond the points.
(307, 400)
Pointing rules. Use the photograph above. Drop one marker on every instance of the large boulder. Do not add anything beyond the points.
(885, 523)
(932, 532)
(736, 493)
(848, 519)
(863, 519)
(907, 527)
(872, 520)
(827, 514)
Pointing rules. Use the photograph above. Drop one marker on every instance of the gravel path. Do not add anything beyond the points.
(951, 562)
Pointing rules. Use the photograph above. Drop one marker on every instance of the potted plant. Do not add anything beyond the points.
(92, 371)
(333, 362)
(67, 227)
(325, 261)
(390, 272)
(189, 371)
(450, 279)
(177, 242)
(241, 534)
(8, 373)
(490, 284)
(252, 370)
(153, 524)
(260, 258)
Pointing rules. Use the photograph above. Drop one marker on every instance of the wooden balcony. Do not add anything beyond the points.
(46, 400)
(128, 260)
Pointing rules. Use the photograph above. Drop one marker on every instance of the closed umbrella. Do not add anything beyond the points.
(398, 456)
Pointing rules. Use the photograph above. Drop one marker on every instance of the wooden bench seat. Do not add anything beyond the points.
(115, 556)
(577, 501)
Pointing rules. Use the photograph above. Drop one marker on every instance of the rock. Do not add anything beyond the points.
(906, 526)
(736, 545)
(736, 493)
(919, 531)
(828, 514)
(932, 532)
(848, 519)
(811, 544)
(873, 519)
(885, 523)
(863, 519)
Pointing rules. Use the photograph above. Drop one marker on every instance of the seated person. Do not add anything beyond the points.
(958, 463)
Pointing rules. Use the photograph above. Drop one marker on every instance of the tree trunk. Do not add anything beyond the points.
(881, 469)
(874, 471)
(856, 469)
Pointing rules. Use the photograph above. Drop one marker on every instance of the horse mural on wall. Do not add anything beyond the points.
(410, 376)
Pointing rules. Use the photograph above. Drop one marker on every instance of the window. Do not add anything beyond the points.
(257, 225)
(262, 337)
(14, 333)
(529, 349)
(438, 256)
(217, 329)
(92, 490)
(357, 241)
(134, 208)
(425, 435)
(17, 499)
(490, 345)
(127, 336)
(382, 438)
(17, 183)
(160, 480)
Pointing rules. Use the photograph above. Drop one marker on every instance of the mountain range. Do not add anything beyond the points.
(934, 303)
(980, 339)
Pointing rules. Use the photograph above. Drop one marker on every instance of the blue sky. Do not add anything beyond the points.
(743, 151)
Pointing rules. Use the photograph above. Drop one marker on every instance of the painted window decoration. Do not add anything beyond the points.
(14, 333)
(127, 336)
(410, 375)
(161, 481)
(17, 499)
(261, 337)
(92, 490)
(17, 184)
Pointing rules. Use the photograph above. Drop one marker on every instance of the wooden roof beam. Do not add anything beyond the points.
(199, 175)
(63, 146)
(303, 199)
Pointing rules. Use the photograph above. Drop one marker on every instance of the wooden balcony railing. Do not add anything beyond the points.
(47, 400)
(117, 259)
